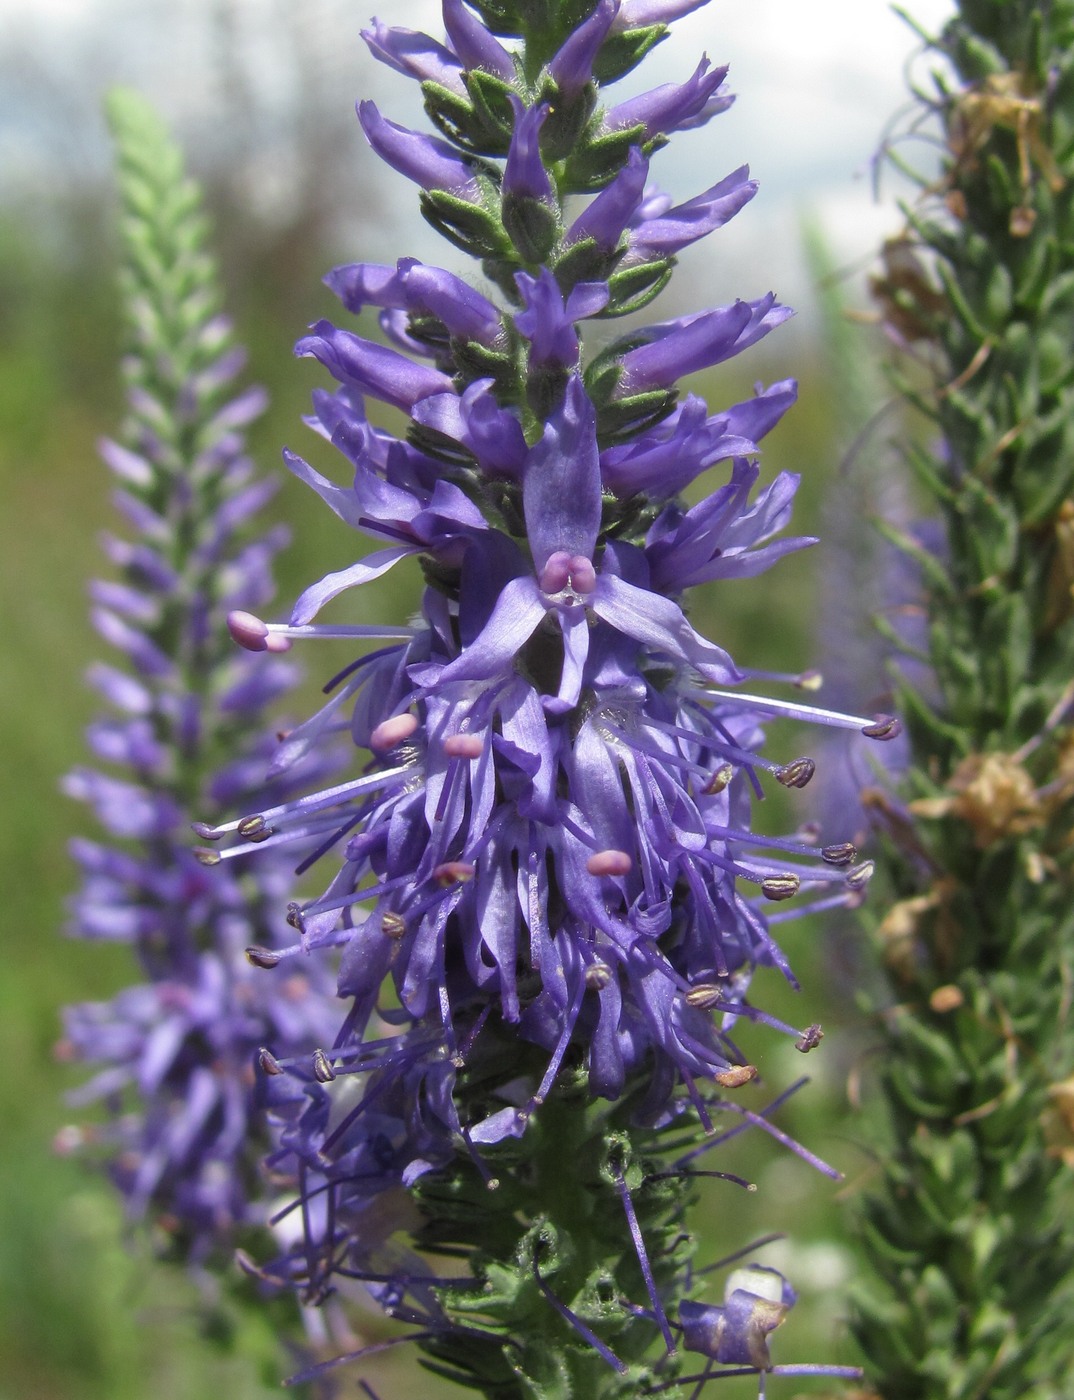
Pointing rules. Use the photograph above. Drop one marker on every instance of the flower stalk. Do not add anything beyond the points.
(968, 1227)
(184, 1125)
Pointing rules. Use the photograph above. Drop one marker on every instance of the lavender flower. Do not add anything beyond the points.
(545, 887)
(176, 1052)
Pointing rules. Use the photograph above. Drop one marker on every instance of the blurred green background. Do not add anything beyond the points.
(84, 1313)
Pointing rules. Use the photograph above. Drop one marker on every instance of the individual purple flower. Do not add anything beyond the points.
(471, 40)
(673, 106)
(675, 348)
(415, 54)
(524, 175)
(418, 289)
(635, 14)
(428, 161)
(605, 218)
(548, 320)
(666, 233)
(572, 66)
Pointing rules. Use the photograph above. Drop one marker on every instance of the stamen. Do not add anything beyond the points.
(322, 1068)
(877, 727)
(268, 1062)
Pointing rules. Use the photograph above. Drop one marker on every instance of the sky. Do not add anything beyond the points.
(817, 85)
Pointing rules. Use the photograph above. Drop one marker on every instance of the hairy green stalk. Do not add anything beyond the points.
(968, 1226)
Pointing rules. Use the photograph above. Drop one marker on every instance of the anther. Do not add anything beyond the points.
(609, 863)
(249, 631)
(463, 746)
(778, 887)
(841, 854)
(268, 1062)
(797, 773)
(809, 680)
(392, 925)
(453, 872)
(206, 857)
(860, 876)
(883, 727)
(597, 976)
(262, 957)
(205, 831)
(294, 917)
(719, 780)
(703, 996)
(321, 1068)
(809, 1039)
(736, 1076)
(391, 732)
(253, 828)
(556, 573)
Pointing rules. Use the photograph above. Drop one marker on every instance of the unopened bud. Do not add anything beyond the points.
(609, 863)
(321, 1068)
(262, 957)
(268, 1061)
(736, 1076)
(719, 780)
(778, 887)
(391, 732)
(841, 854)
(883, 727)
(797, 773)
(809, 1039)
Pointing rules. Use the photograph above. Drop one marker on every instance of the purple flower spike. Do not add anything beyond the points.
(474, 44)
(548, 321)
(606, 217)
(524, 175)
(690, 343)
(429, 162)
(572, 66)
(415, 55)
(668, 232)
(674, 106)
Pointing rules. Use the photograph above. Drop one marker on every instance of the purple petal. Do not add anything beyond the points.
(429, 162)
(371, 567)
(474, 44)
(518, 613)
(660, 624)
(561, 489)
(415, 55)
(375, 369)
(572, 66)
(606, 216)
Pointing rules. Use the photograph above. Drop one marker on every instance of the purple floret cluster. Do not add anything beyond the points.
(183, 1129)
(548, 841)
